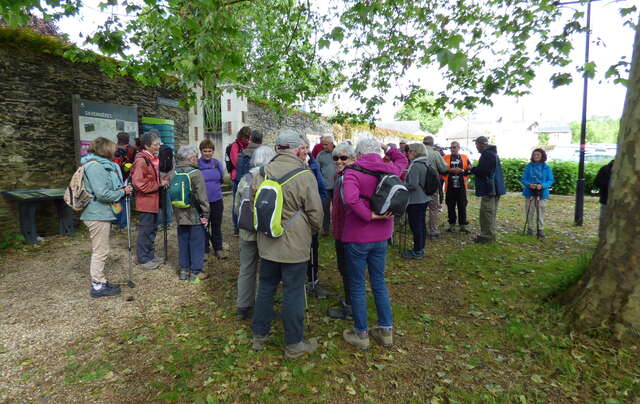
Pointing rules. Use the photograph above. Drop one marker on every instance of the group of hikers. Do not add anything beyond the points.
(284, 196)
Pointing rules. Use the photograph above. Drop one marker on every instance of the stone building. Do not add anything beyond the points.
(37, 144)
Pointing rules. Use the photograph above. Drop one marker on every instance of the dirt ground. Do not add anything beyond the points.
(45, 303)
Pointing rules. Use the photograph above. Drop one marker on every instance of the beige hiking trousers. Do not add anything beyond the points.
(99, 233)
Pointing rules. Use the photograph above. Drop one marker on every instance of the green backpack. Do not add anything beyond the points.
(267, 205)
(180, 189)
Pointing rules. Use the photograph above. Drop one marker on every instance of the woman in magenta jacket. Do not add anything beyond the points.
(365, 236)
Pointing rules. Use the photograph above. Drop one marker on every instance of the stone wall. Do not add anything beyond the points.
(36, 126)
(270, 123)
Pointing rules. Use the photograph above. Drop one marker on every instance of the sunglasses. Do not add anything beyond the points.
(343, 158)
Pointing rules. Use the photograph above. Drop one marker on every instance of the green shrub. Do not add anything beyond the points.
(513, 169)
(565, 174)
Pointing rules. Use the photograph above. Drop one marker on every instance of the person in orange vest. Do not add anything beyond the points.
(455, 184)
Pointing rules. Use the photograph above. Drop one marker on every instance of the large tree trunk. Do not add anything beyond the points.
(608, 294)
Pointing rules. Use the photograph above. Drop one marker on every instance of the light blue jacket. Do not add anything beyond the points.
(103, 180)
(537, 173)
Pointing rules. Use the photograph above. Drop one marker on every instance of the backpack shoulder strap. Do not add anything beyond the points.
(364, 170)
(291, 175)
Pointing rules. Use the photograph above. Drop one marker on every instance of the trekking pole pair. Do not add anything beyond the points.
(535, 199)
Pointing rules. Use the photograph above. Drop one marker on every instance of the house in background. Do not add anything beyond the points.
(552, 133)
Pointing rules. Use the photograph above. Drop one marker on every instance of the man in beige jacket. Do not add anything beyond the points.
(285, 258)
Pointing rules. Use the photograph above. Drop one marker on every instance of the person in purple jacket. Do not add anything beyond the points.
(365, 236)
(213, 172)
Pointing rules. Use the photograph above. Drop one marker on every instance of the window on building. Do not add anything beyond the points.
(228, 104)
(244, 116)
(195, 129)
(229, 127)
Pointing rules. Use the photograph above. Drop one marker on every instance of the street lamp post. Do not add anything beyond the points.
(579, 211)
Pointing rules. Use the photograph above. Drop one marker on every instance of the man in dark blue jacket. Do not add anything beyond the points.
(489, 187)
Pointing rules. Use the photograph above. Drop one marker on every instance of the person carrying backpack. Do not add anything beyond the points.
(241, 142)
(188, 194)
(249, 258)
(103, 180)
(416, 181)
(435, 160)
(123, 157)
(365, 235)
(244, 161)
(284, 249)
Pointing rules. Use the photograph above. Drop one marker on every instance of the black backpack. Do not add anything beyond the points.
(391, 195)
(227, 158)
(166, 158)
(432, 180)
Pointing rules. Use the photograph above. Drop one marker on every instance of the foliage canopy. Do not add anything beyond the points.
(291, 51)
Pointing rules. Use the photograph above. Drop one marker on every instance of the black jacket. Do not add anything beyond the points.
(602, 182)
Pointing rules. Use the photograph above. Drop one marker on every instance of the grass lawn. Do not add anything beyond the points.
(474, 323)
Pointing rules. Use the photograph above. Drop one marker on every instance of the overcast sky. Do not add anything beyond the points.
(545, 104)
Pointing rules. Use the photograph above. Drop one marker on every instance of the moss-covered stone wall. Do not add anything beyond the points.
(36, 126)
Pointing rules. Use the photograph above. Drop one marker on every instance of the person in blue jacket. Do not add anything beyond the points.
(103, 180)
(536, 181)
(313, 284)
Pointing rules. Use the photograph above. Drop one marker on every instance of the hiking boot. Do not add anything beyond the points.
(150, 265)
(104, 289)
(358, 339)
(409, 254)
(529, 232)
(258, 342)
(383, 336)
(158, 260)
(183, 275)
(343, 312)
(463, 229)
(540, 234)
(418, 255)
(220, 254)
(200, 275)
(243, 313)
(452, 228)
(293, 351)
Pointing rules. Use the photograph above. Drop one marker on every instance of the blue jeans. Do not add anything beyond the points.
(191, 248)
(371, 255)
(292, 276)
(145, 243)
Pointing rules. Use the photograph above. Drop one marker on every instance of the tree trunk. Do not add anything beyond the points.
(608, 294)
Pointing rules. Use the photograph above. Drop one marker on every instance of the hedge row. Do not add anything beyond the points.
(564, 172)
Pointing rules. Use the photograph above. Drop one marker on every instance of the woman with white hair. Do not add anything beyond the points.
(249, 258)
(343, 156)
(418, 199)
(365, 235)
(191, 213)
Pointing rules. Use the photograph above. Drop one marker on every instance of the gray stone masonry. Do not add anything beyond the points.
(36, 126)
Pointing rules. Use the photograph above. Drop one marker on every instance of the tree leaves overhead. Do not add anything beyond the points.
(291, 51)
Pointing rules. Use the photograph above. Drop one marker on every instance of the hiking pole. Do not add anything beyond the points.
(538, 216)
(127, 206)
(164, 214)
(526, 221)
